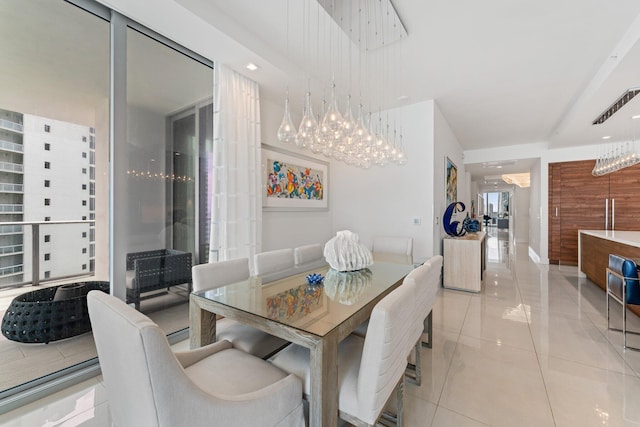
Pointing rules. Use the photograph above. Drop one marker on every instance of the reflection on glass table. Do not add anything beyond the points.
(345, 287)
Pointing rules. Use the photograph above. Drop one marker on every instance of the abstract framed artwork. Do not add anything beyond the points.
(293, 182)
(450, 181)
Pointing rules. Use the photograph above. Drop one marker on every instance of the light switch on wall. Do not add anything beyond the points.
(417, 220)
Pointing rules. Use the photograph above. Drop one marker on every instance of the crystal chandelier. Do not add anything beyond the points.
(359, 141)
(616, 157)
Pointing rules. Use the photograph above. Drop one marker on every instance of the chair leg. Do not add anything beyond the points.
(388, 419)
(607, 297)
(428, 328)
(418, 364)
(624, 316)
(400, 398)
(414, 371)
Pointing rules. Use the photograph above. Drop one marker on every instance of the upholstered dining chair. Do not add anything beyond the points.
(623, 287)
(393, 249)
(308, 256)
(427, 279)
(217, 385)
(274, 265)
(369, 369)
(243, 337)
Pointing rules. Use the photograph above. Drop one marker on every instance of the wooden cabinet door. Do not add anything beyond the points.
(582, 205)
(554, 212)
(624, 192)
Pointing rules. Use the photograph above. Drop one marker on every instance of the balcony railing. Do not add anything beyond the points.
(11, 167)
(11, 146)
(11, 229)
(13, 249)
(7, 124)
(11, 188)
(35, 255)
(14, 269)
(7, 208)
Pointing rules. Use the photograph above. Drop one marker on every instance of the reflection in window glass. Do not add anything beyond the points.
(166, 92)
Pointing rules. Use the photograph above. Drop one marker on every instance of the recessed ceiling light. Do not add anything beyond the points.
(606, 137)
(498, 167)
(251, 66)
(636, 117)
(403, 97)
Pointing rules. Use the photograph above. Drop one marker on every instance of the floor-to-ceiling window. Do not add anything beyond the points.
(54, 150)
(56, 164)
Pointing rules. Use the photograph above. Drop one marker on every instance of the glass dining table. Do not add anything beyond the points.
(317, 317)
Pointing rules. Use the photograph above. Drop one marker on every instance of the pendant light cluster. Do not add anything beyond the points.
(359, 141)
(616, 157)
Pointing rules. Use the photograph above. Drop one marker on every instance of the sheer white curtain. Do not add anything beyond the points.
(236, 220)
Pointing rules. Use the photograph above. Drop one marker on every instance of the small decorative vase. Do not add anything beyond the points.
(472, 225)
(344, 253)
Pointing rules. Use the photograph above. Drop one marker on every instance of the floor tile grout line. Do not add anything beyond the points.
(533, 342)
(446, 377)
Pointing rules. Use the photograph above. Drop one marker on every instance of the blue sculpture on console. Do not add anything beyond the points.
(454, 228)
(472, 225)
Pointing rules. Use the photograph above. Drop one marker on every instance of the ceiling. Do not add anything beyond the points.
(503, 72)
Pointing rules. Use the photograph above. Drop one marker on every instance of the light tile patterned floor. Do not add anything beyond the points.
(20, 363)
(531, 350)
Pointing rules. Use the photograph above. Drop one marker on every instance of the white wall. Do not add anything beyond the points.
(291, 229)
(446, 145)
(535, 209)
(384, 201)
(520, 212)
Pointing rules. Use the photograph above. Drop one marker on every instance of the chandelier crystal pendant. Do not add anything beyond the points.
(287, 130)
(308, 125)
(333, 120)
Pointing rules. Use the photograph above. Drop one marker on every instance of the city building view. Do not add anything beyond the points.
(47, 174)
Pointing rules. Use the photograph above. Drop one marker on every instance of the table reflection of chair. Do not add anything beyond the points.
(274, 265)
(623, 287)
(248, 339)
(217, 385)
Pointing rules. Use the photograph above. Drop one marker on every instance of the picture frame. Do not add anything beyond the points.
(293, 182)
(450, 181)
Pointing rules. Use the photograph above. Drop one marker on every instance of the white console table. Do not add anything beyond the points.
(465, 261)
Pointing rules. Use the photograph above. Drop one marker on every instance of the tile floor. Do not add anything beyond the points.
(531, 350)
(20, 363)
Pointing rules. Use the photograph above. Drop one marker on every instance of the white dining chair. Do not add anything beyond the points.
(369, 369)
(393, 249)
(393, 244)
(150, 386)
(427, 278)
(308, 257)
(244, 337)
(274, 265)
